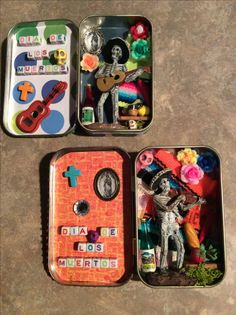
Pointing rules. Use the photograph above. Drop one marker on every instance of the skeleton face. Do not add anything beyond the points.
(132, 124)
(116, 52)
(164, 184)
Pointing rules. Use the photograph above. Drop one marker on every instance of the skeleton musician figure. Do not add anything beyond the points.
(115, 54)
(168, 210)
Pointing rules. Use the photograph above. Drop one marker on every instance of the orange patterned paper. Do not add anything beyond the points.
(114, 213)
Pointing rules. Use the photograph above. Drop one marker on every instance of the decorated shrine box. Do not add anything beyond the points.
(100, 75)
(115, 77)
(41, 77)
(173, 197)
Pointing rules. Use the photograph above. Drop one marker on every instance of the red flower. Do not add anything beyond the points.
(139, 30)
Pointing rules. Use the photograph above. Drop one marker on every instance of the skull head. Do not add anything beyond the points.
(132, 124)
(116, 52)
(164, 184)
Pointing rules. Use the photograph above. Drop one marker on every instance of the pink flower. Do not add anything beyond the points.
(138, 31)
(191, 174)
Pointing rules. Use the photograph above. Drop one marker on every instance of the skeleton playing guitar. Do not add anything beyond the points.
(29, 120)
(105, 84)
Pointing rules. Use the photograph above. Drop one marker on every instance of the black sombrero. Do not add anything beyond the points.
(106, 52)
(153, 178)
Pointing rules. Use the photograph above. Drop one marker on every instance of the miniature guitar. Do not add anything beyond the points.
(29, 120)
(105, 84)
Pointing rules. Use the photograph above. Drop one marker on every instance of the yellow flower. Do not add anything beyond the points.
(187, 156)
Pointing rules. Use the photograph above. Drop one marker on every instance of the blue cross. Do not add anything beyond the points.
(72, 173)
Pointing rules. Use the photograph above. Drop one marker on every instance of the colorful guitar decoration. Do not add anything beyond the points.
(29, 120)
(105, 84)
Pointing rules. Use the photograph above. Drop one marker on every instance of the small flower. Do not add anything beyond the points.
(207, 161)
(89, 62)
(187, 156)
(191, 174)
(139, 31)
(140, 49)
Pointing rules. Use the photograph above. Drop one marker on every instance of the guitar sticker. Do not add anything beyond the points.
(29, 120)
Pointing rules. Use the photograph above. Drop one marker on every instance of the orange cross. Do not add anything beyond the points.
(25, 89)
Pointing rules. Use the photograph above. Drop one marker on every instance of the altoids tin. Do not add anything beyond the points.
(179, 237)
(41, 76)
(116, 77)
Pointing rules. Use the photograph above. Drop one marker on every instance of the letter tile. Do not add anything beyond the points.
(90, 247)
(74, 230)
(99, 247)
(104, 263)
(61, 262)
(65, 230)
(70, 262)
(87, 262)
(83, 230)
(96, 262)
(81, 247)
(113, 262)
(79, 262)
(113, 231)
(104, 231)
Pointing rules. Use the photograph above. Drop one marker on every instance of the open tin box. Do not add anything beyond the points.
(41, 77)
(100, 75)
(178, 214)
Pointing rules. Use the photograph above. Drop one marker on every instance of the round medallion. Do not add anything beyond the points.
(92, 41)
(107, 184)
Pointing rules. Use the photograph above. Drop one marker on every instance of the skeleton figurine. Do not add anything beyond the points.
(116, 54)
(168, 217)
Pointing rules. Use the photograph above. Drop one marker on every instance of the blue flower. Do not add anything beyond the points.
(207, 161)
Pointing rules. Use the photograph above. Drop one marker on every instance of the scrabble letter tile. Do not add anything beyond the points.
(104, 231)
(37, 54)
(87, 262)
(113, 231)
(27, 70)
(74, 230)
(22, 41)
(30, 55)
(70, 262)
(63, 69)
(81, 247)
(41, 69)
(99, 247)
(48, 69)
(61, 262)
(45, 53)
(113, 263)
(34, 70)
(53, 39)
(20, 70)
(83, 230)
(104, 263)
(29, 40)
(37, 40)
(96, 262)
(90, 247)
(79, 262)
(61, 38)
(65, 230)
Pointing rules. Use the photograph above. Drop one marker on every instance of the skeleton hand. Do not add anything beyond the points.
(181, 198)
(201, 201)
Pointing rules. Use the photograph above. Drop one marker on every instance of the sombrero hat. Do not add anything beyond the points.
(153, 178)
(106, 52)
